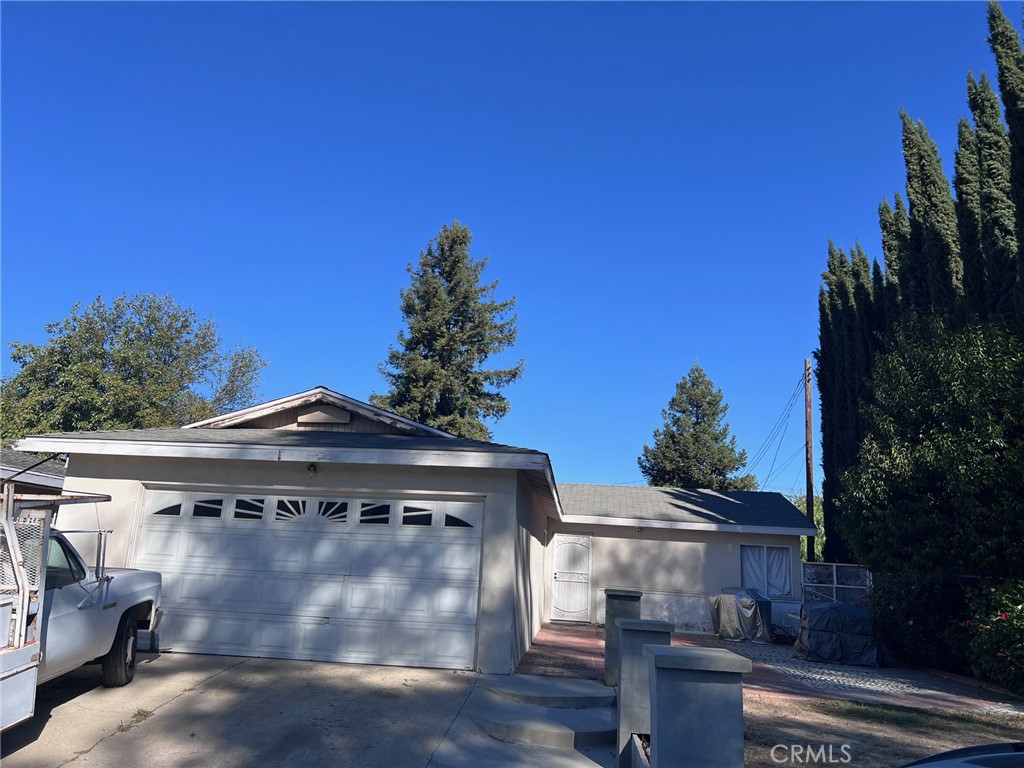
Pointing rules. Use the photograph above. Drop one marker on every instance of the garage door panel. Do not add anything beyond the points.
(331, 552)
(235, 633)
(363, 641)
(323, 596)
(452, 646)
(280, 594)
(160, 544)
(274, 637)
(320, 640)
(461, 559)
(456, 603)
(307, 586)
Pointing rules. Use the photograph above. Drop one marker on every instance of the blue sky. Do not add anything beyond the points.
(655, 184)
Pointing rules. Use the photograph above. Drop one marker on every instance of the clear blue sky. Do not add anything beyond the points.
(655, 184)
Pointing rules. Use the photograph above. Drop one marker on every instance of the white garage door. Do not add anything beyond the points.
(376, 581)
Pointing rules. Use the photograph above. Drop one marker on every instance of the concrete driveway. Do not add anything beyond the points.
(193, 710)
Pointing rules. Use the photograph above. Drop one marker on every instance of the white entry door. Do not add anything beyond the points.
(570, 600)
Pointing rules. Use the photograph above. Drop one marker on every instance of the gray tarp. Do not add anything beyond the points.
(837, 633)
(742, 614)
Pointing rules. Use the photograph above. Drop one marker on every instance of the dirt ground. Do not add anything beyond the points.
(786, 731)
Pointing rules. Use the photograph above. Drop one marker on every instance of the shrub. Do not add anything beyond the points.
(921, 619)
(996, 647)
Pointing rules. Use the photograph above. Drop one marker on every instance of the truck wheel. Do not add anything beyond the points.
(119, 663)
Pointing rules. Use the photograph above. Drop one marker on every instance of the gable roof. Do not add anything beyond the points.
(30, 469)
(682, 508)
(318, 396)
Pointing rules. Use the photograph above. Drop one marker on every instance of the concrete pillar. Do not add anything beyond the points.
(618, 604)
(696, 706)
(634, 687)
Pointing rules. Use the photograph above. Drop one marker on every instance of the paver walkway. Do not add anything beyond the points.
(577, 650)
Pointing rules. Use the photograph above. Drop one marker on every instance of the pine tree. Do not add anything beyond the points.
(694, 449)
(453, 325)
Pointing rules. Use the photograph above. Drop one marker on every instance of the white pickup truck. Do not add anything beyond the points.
(57, 612)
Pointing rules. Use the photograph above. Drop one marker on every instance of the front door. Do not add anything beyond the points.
(570, 600)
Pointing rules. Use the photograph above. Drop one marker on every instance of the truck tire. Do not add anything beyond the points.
(119, 663)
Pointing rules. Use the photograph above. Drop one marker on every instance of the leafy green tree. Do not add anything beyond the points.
(694, 449)
(454, 325)
(940, 476)
(140, 362)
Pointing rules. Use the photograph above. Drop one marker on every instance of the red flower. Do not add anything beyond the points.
(1004, 616)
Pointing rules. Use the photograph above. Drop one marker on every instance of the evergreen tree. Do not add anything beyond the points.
(967, 184)
(998, 218)
(453, 326)
(139, 362)
(935, 271)
(693, 449)
(895, 226)
(1006, 46)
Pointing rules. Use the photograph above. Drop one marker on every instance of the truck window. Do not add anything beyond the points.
(62, 568)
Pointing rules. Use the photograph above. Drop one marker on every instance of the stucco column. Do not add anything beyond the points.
(618, 604)
(634, 686)
(696, 706)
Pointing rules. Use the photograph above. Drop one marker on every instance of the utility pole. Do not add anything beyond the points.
(809, 443)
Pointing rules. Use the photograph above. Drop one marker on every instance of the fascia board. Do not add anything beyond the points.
(233, 451)
(625, 522)
(36, 478)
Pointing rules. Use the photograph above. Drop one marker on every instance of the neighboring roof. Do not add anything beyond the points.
(685, 508)
(316, 396)
(31, 469)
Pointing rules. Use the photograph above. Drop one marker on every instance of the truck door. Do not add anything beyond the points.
(69, 632)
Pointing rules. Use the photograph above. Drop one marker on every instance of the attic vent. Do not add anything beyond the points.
(319, 416)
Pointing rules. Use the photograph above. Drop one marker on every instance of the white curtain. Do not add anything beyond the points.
(752, 568)
(779, 573)
(766, 569)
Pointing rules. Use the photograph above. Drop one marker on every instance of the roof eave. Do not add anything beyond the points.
(336, 455)
(627, 522)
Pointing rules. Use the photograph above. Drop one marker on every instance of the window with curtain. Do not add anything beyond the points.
(767, 569)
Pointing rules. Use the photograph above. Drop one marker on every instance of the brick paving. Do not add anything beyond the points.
(577, 651)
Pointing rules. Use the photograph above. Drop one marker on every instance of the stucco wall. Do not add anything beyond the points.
(127, 478)
(531, 536)
(675, 569)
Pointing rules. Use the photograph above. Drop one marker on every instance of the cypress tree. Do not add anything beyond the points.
(454, 325)
(968, 215)
(933, 234)
(1005, 44)
(998, 217)
(895, 226)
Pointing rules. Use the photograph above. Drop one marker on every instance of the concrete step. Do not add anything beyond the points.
(468, 746)
(540, 726)
(556, 692)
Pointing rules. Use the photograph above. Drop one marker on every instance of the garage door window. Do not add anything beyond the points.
(373, 513)
(290, 510)
(249, 509)
(766, 569)
(417, 515)
(335, 512)
(207, 508)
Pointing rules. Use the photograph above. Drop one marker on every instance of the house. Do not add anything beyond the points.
(317, 526)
